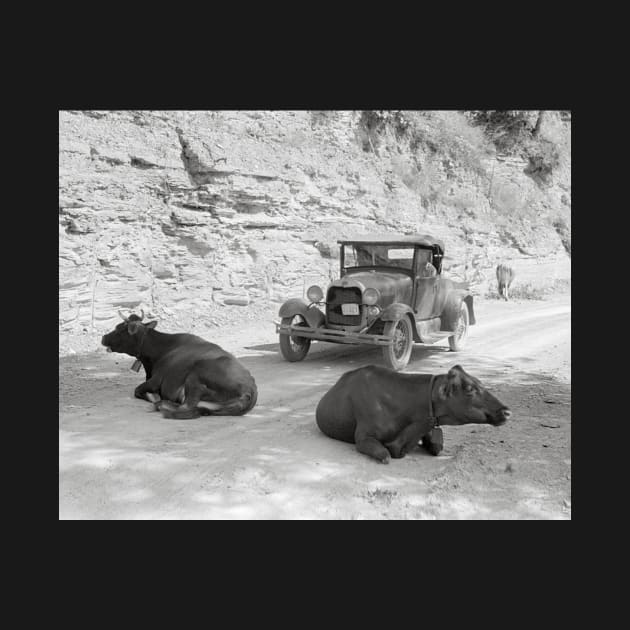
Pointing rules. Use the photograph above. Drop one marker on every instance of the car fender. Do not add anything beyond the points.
(398, 310)
(395, 311)
(298, 306)
(450, 313)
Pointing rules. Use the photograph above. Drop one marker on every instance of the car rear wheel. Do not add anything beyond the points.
(397, 355)
(294, 348)
(458, 340)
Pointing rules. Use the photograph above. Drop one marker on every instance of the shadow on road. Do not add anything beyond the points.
(118, 459)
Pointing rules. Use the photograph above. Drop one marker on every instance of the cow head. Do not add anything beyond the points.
(127, 337)
(462, 399)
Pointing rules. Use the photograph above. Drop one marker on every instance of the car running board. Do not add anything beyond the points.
(429, 330)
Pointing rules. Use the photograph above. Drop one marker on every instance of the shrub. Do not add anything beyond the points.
(506, 129)
(444, 133)
(374, 124)
(321, 117)
(544, 158)
(527, 291)
(564, 233)
(448, 134)
(514, 132)
(517, 292)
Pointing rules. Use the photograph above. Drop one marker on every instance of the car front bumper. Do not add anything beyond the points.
(334, 336)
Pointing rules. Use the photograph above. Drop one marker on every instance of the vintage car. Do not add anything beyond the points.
(391, 293)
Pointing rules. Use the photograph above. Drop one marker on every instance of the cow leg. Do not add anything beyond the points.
(406, 439)
(148, 390)
(369, 445)
(179, 412)
(193, 390)
(184, 411)
(189, 408)
(435, 448)
(167, 405)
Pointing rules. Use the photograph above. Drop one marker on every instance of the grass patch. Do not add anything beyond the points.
(442, 134)
(529, 291)
(564, 232)
(381, 495)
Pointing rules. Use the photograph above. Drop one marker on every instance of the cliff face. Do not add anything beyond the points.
(210, 218)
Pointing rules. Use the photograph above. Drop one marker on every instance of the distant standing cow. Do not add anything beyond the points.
(505, 275)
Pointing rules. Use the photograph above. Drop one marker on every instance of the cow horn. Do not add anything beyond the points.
(141, 314)
(125, 319)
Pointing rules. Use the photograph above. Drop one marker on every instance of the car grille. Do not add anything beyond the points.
(338, 296)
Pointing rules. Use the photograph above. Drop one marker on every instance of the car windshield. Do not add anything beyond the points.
(368, 255)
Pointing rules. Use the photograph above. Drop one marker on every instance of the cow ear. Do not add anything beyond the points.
(455, 375)
(133, 327)
(453, 381)
(151, 324)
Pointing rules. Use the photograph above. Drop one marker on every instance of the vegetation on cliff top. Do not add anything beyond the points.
(467, 136)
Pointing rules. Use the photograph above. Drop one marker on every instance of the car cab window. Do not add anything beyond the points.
(425, 267)
(378, 256)
(349, 257)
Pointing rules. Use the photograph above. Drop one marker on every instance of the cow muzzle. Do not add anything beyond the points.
(502, 416)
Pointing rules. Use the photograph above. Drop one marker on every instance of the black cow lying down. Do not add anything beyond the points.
(186, 376)
(385, 413)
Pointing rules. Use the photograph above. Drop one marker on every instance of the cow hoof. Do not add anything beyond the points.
(435, 449)
(395, 450)
(385, 460)
(151, 397)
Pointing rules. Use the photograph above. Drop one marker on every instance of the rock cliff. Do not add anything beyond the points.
(208, 219)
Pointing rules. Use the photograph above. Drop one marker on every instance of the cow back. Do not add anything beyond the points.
(505, 274)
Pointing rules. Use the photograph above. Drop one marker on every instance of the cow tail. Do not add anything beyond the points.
(242, 404)
(180, 414)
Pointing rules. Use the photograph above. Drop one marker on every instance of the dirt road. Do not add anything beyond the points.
(118, 459)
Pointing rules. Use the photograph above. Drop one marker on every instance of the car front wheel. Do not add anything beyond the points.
(294, 348)
(397, 355)
(458, 340)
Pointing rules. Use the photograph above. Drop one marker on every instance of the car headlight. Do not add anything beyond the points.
(314, 294)
(371, 297)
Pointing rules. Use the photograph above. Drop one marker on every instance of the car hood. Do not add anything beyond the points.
(393, 286)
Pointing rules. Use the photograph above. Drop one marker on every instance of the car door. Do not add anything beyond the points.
(426, 290)
(425, 287)
(441, 293)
